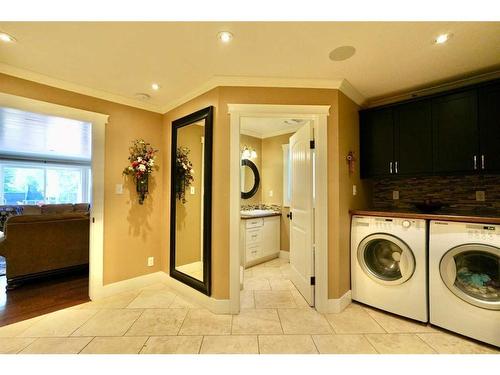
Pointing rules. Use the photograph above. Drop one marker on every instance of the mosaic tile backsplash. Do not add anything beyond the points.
(458, 193)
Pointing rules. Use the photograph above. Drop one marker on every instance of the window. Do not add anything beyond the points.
(43, 159)
(287, 165)
(38, 183)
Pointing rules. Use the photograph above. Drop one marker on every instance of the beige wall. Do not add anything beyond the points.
(342, 135)
(220, 189)
(272, 179)
(346, 130)
(132, 232)
(188, 239)
(272, 168)
(255, 143)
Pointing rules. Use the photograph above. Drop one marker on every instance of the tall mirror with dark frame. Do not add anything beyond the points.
(191, 200)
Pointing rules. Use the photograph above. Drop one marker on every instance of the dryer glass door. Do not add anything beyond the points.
(471, 272)
(386, 259)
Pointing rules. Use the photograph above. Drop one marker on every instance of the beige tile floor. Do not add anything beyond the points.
(274, 318)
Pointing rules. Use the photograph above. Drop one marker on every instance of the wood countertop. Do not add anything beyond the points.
(466, 217)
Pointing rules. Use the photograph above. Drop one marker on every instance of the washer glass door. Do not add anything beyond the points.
(386, 259)
(471, 272)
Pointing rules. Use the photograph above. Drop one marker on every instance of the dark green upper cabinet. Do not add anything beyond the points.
(455, 133)
(413, 138)
(489, 128)
(377, 142)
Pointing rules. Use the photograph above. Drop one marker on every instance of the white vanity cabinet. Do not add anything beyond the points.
(259, 239)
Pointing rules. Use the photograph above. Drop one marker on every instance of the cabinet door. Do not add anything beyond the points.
(271, 235)
(377, 142)
(413, 138)
(489, 128)
(456, 139)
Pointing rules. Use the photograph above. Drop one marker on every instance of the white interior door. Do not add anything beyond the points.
(301, 211)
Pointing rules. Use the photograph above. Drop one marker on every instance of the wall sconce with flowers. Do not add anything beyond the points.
(248, 153)
(142, 164)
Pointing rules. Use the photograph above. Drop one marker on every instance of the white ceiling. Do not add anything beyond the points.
(265, 127)
(116, 60)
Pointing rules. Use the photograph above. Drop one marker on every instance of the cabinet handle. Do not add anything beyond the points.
(390, 167)
(475, 162)
(396, 167)
(482, 162)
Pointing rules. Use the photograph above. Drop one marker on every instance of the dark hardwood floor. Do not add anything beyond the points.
(42, 297)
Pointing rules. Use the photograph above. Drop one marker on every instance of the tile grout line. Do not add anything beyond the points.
(82, 349)
(144, 345)
(97, 311)
(370, 343)
(135, 320)
(182, 323)
(426, 344)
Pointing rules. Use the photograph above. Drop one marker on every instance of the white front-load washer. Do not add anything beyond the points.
(389, 264)
(464, 284)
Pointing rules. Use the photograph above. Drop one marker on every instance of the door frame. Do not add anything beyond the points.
(318, 115)
(98, 121)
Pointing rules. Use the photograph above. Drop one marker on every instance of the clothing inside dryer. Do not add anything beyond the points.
(478, 275)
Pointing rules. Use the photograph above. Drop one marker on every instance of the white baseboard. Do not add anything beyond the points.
(217, 306)
(214, 305)
(284, 254)
(128, 285)
(339, 304)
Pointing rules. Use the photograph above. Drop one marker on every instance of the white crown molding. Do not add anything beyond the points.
(236, 81)
(412, 94)
(73, 87)
(216, 81)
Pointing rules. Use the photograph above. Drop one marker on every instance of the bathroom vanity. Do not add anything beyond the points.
(259, 236)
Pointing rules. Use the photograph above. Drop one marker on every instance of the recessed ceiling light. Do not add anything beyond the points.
(155, 86)
(342, 53)
(443, 38)
(4, 37)
(225, 36)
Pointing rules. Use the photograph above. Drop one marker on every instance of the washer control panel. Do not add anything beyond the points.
(482, 231)
(388, 223)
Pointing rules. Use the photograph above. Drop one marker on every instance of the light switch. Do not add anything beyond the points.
(270, 193)
(480, 196)
(395, 194)
(192, 190)
(354, 190)
(119, 188)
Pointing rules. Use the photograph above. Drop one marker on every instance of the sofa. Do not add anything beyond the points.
(42, 241)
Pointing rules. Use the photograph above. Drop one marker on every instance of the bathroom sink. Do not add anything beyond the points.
(257, 212)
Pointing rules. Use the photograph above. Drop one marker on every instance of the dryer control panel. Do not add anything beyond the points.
(482, 231)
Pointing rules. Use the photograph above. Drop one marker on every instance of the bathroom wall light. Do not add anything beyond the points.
(248, 153)
(155, 86)
(225, 36)
(4, 37)
(443, 38)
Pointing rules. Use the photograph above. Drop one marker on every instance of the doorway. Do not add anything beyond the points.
(308, 240)
(91, 281)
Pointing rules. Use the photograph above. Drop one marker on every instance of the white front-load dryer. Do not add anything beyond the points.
(464, 284)
(388, 264)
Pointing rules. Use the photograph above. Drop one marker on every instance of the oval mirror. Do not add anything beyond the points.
(250, 179)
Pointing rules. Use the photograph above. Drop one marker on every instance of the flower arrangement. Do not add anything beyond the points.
(142, 164)
(184, 173)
